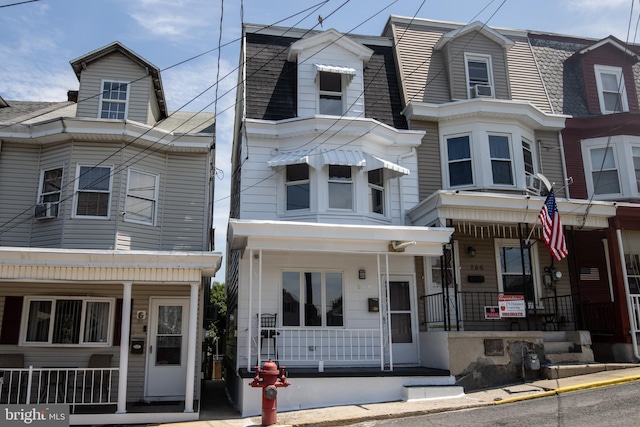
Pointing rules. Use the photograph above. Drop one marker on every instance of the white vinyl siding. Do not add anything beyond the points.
(115, 67)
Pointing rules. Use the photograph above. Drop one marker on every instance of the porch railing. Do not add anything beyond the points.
(556, 312)
(327, 344)
(72, 386)
(635, 306)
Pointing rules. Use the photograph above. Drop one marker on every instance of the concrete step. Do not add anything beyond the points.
(556, 371)
(554, 358)
(554, 336)
(430, 392)
(558, 347)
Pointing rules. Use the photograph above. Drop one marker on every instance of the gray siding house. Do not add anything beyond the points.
(105, 246)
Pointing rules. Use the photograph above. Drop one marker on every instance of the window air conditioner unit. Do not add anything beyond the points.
(46, 211)
(534, 184)
(482, 91)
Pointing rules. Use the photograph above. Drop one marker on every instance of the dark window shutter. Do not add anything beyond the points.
(10, 333)
(117, 323)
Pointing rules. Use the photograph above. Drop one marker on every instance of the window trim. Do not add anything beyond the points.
(154, 214)
(42, 194)
(301, 272)
(607, 69)
(77, 191)
(114, 101)
(478, 57)
(535, 266)
(351, 182)
(342, 93)
(25, 320)
(469, 136)
(288, 184)
(510, 160)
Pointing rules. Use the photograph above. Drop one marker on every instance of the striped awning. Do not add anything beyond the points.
(343, 158)
(375, 162)
(336, 69)
(293, 158)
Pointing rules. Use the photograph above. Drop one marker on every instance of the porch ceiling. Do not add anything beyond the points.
(299, 236)
(496, 208)
(106, 266)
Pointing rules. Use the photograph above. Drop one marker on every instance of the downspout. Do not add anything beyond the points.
(380, 313)
(250, 310)
(632, 320)
(400, 192)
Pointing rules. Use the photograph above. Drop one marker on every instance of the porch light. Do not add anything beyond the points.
(471, 251)
(362, 274)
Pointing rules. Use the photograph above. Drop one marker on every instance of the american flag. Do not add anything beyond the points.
(552, 232)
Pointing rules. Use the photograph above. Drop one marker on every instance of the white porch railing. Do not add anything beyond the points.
(313, 345)
(72, 386)
(635, 306)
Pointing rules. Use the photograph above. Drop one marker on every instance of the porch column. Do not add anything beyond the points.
(191, 347)
(124, 348)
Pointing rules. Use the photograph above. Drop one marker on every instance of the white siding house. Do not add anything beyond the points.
(322, 259)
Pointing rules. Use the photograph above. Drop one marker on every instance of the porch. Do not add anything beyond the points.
(478, 311)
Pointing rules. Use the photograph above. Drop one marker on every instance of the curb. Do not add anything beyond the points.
(568, 389)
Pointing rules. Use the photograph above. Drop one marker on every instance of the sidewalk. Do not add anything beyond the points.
(349, 414)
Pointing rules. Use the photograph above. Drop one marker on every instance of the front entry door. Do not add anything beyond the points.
(167, 349)
(403, 339)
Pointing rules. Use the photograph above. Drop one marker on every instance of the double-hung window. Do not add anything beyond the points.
(340, 187)
(113, 102)
(297, 186)
(611, 91)
(67, 321)
(500, 160)
(331, 96)
(93, 191)
(312, 299)
(142, 197)
(459, 161)
(604, 172)
(50, 189)
(479, 74)
(376, 191)
(635, 154)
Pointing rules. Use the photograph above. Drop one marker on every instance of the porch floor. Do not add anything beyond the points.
(335, 372)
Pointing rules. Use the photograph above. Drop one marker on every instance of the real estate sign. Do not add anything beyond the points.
(512, 305)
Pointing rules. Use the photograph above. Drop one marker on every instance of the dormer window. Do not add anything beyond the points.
(330, 90)
(611, 90)
(113, 103)
(479, 76)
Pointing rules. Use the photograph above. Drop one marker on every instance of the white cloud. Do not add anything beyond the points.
(173, 18)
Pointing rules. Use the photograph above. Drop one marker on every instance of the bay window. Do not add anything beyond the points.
(93, 191)
(376, 191)
(142, 197)
(459, 161)
(340, 187)
(500, 159)
(297, 186)
(604, 171)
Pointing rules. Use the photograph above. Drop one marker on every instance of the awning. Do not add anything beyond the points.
(343, 158)
(374, 162)
(336, 69)
(293, 158)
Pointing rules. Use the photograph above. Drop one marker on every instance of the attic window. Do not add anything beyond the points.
(330, 90)
(113, 102)
(611, 90)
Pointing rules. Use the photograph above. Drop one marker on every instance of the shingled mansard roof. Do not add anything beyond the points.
(271, 79)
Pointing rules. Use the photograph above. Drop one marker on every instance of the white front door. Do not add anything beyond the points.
(167, 349)
(404, 342)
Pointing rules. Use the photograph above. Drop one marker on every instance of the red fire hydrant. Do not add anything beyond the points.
(269, 379)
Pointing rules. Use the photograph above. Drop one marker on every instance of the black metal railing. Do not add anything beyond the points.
(476, 311)
(599, 318)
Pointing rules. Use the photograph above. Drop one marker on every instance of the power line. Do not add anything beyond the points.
(18, 3)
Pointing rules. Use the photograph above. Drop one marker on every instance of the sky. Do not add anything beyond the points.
(181, 37)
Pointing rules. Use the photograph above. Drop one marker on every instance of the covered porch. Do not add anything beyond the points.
(86, 329)
(497, 252)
